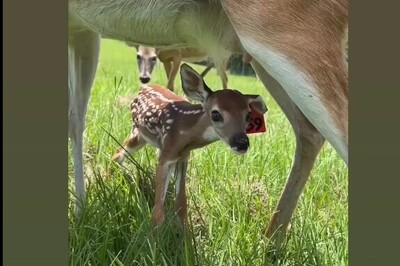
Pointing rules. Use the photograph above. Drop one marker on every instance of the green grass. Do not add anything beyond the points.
(231, 198)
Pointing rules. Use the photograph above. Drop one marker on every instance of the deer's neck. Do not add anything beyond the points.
(201, 133)
(209, 135)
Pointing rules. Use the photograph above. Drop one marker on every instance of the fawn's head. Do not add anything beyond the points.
(228, 110)
(146, 59)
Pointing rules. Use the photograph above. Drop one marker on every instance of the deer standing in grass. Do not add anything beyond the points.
(297, 49)
(176, 127)
(172, 59)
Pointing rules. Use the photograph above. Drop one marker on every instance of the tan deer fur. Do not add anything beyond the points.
(297, 50)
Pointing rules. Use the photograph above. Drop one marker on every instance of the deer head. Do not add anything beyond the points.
(228, 110)
(146, 59)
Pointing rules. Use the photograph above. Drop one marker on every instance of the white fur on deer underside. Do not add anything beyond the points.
(300, 89)
(132, 20)
(149, 141)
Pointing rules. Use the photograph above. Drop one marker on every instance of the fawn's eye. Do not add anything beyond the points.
(248, 117)
(138, 57)
(216, 116)
(153, 59)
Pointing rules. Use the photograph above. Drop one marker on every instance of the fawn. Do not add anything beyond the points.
(175, 126)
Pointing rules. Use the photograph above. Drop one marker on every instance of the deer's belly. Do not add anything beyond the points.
(144, 22)
(150, 138)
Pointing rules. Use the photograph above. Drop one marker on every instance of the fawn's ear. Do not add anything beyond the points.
(193, 84)
(257, 102)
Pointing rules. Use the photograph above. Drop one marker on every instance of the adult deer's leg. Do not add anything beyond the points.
(308, 144)
(132, 144)
(176, 63)
(83, 52)
(222, 73)
(205, 71)
(167, 67)
(181, 201)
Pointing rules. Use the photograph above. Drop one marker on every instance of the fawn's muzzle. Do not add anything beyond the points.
(239, 143)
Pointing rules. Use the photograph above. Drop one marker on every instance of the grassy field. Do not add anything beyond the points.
(231, 198)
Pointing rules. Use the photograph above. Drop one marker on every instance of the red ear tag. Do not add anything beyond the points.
(257, 123)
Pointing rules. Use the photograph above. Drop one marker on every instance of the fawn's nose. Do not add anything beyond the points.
(240, 143)
(144, 79)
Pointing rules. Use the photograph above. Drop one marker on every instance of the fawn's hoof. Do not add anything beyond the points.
(118, 158)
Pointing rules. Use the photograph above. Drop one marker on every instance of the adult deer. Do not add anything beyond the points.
(172, 59)
(176, 127)
(298, 53)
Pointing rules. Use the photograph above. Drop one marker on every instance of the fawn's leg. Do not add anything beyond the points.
(132, 144)
(181, 202)
(163, 173)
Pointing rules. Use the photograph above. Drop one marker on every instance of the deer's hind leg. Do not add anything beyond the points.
(131, 144)
(181, 200)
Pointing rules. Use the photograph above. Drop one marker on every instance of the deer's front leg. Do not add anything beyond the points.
(167, 67)
(83, 52)
(172, 74)
(181, 202)
(222, 74)
(163, 173)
